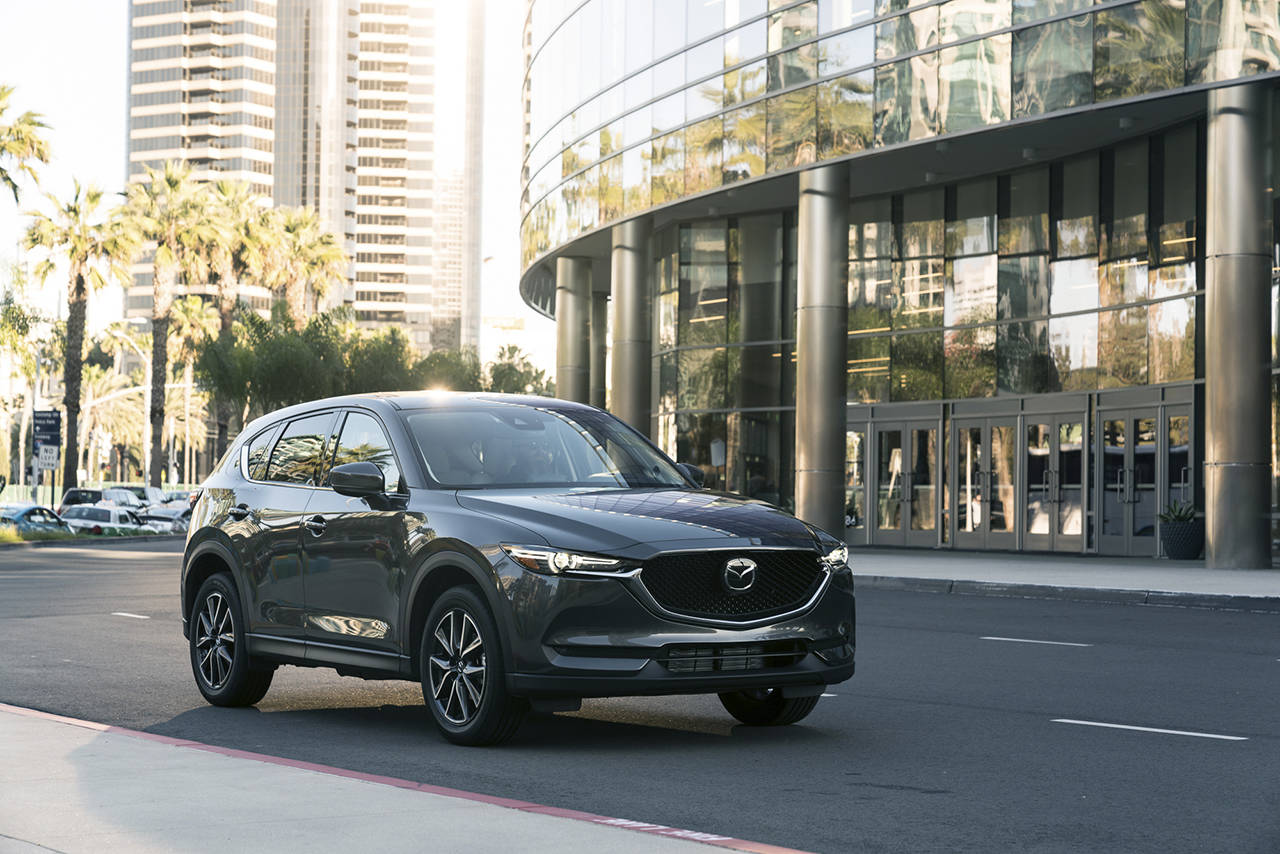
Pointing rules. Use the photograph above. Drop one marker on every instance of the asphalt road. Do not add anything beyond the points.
(944, 741)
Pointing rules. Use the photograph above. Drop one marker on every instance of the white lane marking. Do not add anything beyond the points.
(829, 695)
(1027, 640)
(127, 614)
(1152, 729)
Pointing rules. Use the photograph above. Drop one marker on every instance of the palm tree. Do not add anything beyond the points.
(21, 144)
(172, 211)
(95, 246)
(194, 321)
(113, 413)
(309, 260)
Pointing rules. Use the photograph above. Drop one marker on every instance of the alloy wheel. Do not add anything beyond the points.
(215, 640)
(457, 667)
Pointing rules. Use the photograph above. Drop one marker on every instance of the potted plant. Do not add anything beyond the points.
(1181, 533)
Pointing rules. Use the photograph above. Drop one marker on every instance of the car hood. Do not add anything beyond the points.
(613, 520)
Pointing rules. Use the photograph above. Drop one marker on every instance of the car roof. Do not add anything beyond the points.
(16, 508)
(390, 401)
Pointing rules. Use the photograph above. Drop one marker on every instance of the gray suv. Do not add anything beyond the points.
(509, 553)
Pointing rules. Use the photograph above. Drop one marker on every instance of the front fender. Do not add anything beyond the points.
(457, 555)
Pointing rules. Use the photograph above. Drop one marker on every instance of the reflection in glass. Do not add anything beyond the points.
(970, 290)
(705, 18)
(1121, 282)
(1138, 48)
(868, 368)
(1022, 288)
(1037, 473)
(611, 189)
(853, 49)
(737, 11)
(703, 378)
(907, 33)
(639, 49)
(667, 168)
(889, 480)
(1179, 459)
(701, 441)
(668, 33)
(1170, 281)
(959, 19)
(837, 14)
(745, 43)
(919, 285)
(970, 362)
(1143, 490)
(1000, 501)
(635, 179)
(703, 163)
(1073, 346)
(1073, 285)
(870, 295)
(923, 215)
(1122, 347)
(907, 100)
(1174, 212)
(1227, 39)
(916, 364)
(923, 481)
(1070, 476)
(1053, 66)
(969, 510)
(1172, 339)
(1024, 212)
(1023, 365)
(855, 461)
(793, 26)
(1075, 185)
(758, 463)
(845, 115)
(1114, 472)
(1026, 11)
(792, 129)
(973, 84)
(745, 83)
(744, 142)
(792, 68)
(705, 98)
(971, 224)
(1124, 225)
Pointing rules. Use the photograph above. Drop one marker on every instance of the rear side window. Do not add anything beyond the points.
(362, 440)
(299, 455)
(259, 445)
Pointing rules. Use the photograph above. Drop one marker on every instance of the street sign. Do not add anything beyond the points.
(48, 458)
(48, 423)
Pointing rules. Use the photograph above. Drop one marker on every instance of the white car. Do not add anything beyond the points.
(99, 519)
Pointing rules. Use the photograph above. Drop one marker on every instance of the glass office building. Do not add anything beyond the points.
(961, 274)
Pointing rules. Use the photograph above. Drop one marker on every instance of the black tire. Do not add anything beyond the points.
(464, 685)
(766, 707)
(225, 677)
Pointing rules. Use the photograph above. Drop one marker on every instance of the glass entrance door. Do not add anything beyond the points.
(855, 485)
(1146, 463)
(905, 487)
(1053, 474)
(984, 491)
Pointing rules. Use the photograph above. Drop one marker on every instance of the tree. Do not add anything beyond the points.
(16, 323)
(454, 370)
(309, 260)
(21, 144)
(94, 246)
(194, 322)
(513, 373)
(382, 361)
(170, 210)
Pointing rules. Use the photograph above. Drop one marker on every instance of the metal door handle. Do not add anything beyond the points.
(315, 525)
(240, 511)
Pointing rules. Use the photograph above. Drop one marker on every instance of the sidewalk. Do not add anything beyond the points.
(1136, 581)
(76, 786)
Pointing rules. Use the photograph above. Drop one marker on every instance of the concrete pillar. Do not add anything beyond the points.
(632, 330)
(573, 333)
(599, 333)
(822, 309)
(1237, 328)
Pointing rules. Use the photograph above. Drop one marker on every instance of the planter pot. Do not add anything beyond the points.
(1182, 540)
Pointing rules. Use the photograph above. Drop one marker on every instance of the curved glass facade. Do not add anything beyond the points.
(635, 104)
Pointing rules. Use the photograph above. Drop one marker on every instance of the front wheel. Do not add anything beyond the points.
(220, 659)
(766, 707)
(460, 660)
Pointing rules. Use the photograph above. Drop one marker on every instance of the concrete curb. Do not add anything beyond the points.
(94, 540)
(1115, 596)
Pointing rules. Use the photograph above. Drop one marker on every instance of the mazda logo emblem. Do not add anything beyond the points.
(739, 575)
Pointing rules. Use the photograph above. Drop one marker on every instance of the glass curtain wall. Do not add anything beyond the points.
(1077, 276)
(725, 351)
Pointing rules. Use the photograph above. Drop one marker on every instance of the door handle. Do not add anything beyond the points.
(315, 525)
(238, 512)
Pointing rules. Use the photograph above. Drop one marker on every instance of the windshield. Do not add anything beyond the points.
(511, 445)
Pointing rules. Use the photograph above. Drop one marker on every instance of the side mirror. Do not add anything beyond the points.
(693, 473)
(358, 480)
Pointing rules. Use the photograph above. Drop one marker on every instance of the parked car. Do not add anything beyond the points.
(167, 519)
(505, 552)
(79, 495)
(103, 519)
(116, 496)
(178, 496)
(31, 518)
(148, 496)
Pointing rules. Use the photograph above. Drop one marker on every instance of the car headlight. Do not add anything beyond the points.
(837, 558)
(556, 562)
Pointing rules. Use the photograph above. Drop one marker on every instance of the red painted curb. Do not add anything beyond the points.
(443, 791)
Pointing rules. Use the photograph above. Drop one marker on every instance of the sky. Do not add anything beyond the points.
(68, 60)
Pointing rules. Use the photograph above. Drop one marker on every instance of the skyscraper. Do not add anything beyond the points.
(326, 104)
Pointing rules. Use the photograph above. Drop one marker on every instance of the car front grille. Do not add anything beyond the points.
(693, 584)
(728, 658)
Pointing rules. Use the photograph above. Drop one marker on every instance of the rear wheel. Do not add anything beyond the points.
(463, 680)
(220, 659)
(766, 706)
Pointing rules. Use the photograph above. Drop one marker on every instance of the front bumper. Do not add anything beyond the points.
(601, 637)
